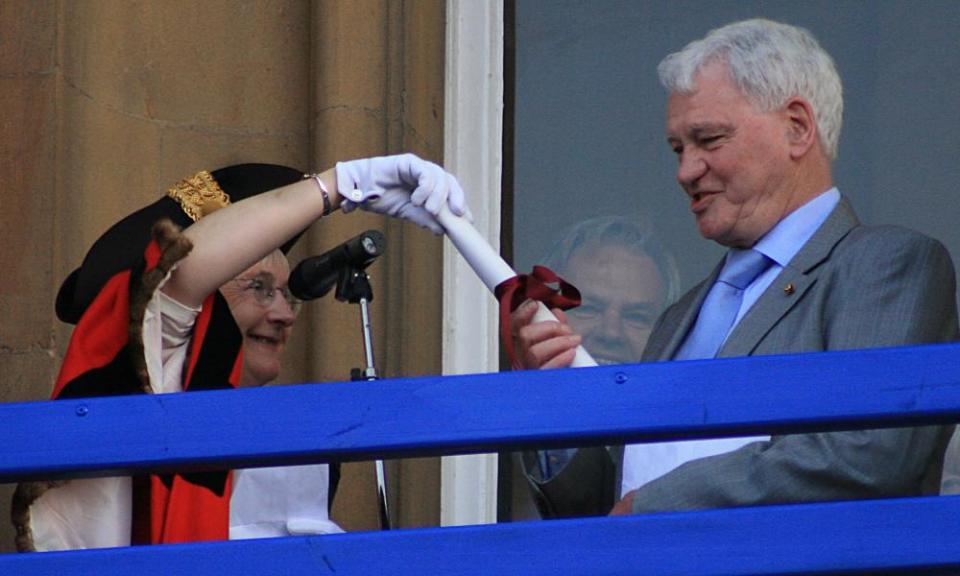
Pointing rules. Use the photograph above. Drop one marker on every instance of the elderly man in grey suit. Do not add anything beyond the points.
(754, 118)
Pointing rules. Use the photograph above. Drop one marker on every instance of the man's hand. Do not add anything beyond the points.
(542, 344)
(402, 186)
(625, 506)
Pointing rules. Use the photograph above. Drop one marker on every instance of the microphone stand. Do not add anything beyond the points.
(353, 286)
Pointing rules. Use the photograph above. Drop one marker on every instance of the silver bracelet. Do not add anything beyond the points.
(323, 190)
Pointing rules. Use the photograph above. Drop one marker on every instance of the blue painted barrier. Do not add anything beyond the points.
(496, 412)
(908, 536)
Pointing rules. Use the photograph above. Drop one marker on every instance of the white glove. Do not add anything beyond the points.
(402, 186)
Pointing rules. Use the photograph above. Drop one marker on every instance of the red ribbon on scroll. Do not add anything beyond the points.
(542, 285)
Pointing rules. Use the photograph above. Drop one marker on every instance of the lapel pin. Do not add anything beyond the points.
(789, 289)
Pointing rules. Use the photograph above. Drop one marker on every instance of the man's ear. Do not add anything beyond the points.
(802, 132)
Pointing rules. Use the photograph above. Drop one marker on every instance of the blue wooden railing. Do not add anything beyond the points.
(497, 412)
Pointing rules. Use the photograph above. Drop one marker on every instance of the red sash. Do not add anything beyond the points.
(166, 508)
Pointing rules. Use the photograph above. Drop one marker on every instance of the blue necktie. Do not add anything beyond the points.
(721, 305)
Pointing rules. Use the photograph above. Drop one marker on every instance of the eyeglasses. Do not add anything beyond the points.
(264, 291)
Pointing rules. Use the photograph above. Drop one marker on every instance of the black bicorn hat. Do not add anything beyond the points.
(122, 246)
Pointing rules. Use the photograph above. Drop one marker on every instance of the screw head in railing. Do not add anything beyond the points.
(619, 377)
(82, 410)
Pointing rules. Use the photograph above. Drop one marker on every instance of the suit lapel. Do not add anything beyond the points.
(791, 284)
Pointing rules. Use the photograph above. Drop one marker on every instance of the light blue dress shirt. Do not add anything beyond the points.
(783, 241)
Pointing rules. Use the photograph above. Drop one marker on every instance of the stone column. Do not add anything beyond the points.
(28, 174)
(378, 85)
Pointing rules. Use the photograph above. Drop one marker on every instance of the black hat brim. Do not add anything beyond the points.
(122, 246)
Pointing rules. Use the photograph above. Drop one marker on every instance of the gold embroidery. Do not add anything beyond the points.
(199, 195)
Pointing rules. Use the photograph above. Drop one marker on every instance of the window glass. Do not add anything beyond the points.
(589, 149)
(589, 115)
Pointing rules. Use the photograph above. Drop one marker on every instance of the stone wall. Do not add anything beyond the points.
(106, 103)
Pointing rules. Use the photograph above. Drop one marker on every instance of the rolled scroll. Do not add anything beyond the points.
(491, 268)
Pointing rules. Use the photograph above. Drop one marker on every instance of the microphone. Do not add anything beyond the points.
(315, 276)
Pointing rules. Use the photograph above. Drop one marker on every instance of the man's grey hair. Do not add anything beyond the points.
(770, 62)
(635, 234)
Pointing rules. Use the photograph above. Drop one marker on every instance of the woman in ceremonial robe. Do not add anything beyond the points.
(150, 318)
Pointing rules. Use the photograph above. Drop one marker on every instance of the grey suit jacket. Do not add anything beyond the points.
(854, 287)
